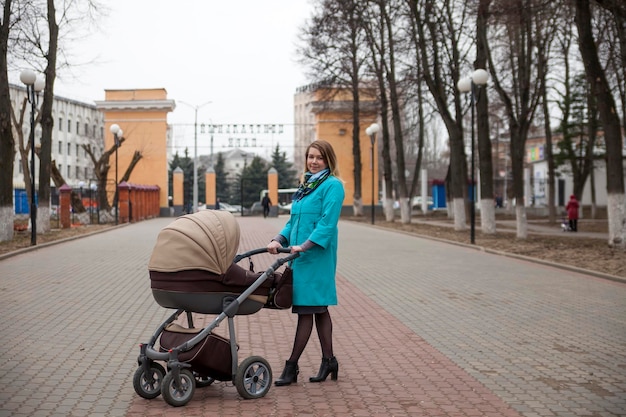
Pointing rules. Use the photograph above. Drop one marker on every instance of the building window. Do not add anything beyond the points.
(86, 172)
(69, 126)
(77, 149)
(77, 128)
(69, 148)
(77, 172)
(60, 124)
(60, 147)
(69, 171)
(86, 129)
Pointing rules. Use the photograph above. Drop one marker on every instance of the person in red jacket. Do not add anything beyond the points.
(572, 213)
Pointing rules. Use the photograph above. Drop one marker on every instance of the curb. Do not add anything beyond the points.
(54, 242)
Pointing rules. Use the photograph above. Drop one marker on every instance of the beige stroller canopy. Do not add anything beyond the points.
(207, 240)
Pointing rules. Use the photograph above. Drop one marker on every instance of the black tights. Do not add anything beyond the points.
(324, 326)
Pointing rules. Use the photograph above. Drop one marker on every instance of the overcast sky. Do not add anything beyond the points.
(239, 55)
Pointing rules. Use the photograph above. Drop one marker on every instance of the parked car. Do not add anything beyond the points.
(284, 209)
(256, 208)
(230, 208)
(416, 203)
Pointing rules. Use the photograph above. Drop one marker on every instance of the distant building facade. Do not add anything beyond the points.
(75, 124)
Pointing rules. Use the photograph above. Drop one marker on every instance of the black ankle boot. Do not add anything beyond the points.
(328, 366)
(289, 375)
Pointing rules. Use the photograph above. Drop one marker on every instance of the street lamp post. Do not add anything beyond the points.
(371, 132)
(94, 189)
(195, 152)
(33, 85)
(245, 162)
(117, 134)
(471, 84)
(81, 185)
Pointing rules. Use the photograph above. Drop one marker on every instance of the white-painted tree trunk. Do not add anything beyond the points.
(6, 223)
(405, 211)
(616, 210)
(459, 214)
(488, 216)
(43, 219)
(521, 221)
(388, 208)
(357, 207)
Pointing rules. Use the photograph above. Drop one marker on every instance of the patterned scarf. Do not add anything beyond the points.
(311, 181)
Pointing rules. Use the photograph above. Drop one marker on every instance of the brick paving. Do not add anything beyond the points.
(423, 328)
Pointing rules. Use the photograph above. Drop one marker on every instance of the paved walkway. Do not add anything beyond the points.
(423, 328)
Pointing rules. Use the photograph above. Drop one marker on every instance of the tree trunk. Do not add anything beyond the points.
(75, 200)
(47, 122)
(487, 209)
(7, 142)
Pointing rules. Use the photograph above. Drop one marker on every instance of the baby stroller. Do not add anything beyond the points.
(193, 269)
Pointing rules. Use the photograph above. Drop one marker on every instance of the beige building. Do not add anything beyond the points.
(142, 116)
(322, 112)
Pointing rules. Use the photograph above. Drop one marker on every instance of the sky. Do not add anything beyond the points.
(235, 59)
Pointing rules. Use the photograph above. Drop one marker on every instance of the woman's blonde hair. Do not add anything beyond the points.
(327, 152)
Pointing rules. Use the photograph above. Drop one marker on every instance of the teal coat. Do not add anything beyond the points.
(315, 218)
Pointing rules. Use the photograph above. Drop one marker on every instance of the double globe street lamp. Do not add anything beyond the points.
(117, 134)
(33, 85)
(371, 131)
(470, 85)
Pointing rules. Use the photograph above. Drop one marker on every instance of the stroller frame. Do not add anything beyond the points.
(253, 377)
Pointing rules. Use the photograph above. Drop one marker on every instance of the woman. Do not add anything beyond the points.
(312, 231)
(572, 213)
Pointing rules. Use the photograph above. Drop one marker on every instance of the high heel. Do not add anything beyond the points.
(328, 366)
(289, 375)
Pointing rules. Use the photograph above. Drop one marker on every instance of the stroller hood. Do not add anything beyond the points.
(207, 240)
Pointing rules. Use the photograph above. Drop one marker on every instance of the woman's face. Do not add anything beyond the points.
(315, 162)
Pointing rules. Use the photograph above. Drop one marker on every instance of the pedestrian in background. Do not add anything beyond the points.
(572, 213)
(312, 231)
(266, 203)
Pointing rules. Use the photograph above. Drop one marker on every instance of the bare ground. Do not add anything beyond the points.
(567, 248)
(590, 253)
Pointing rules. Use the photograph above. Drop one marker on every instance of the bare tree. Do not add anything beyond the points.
(7, 142)
(377, 45)
(33, 37)
(487, 206)
(333, 50)
(516, 79)
(389, 14)
(608, 114)
(557, 40)
(442, 53)
(101, 170)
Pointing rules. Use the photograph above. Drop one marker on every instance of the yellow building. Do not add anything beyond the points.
(142, 116)
(326, 113)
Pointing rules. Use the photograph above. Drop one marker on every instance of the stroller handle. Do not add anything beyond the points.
(264, 250)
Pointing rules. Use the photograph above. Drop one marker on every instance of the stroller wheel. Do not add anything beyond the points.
(253, 378)
(148, 385)
(178, 395)
(203, 381)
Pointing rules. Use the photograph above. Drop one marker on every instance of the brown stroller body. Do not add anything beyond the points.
(194, 269)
